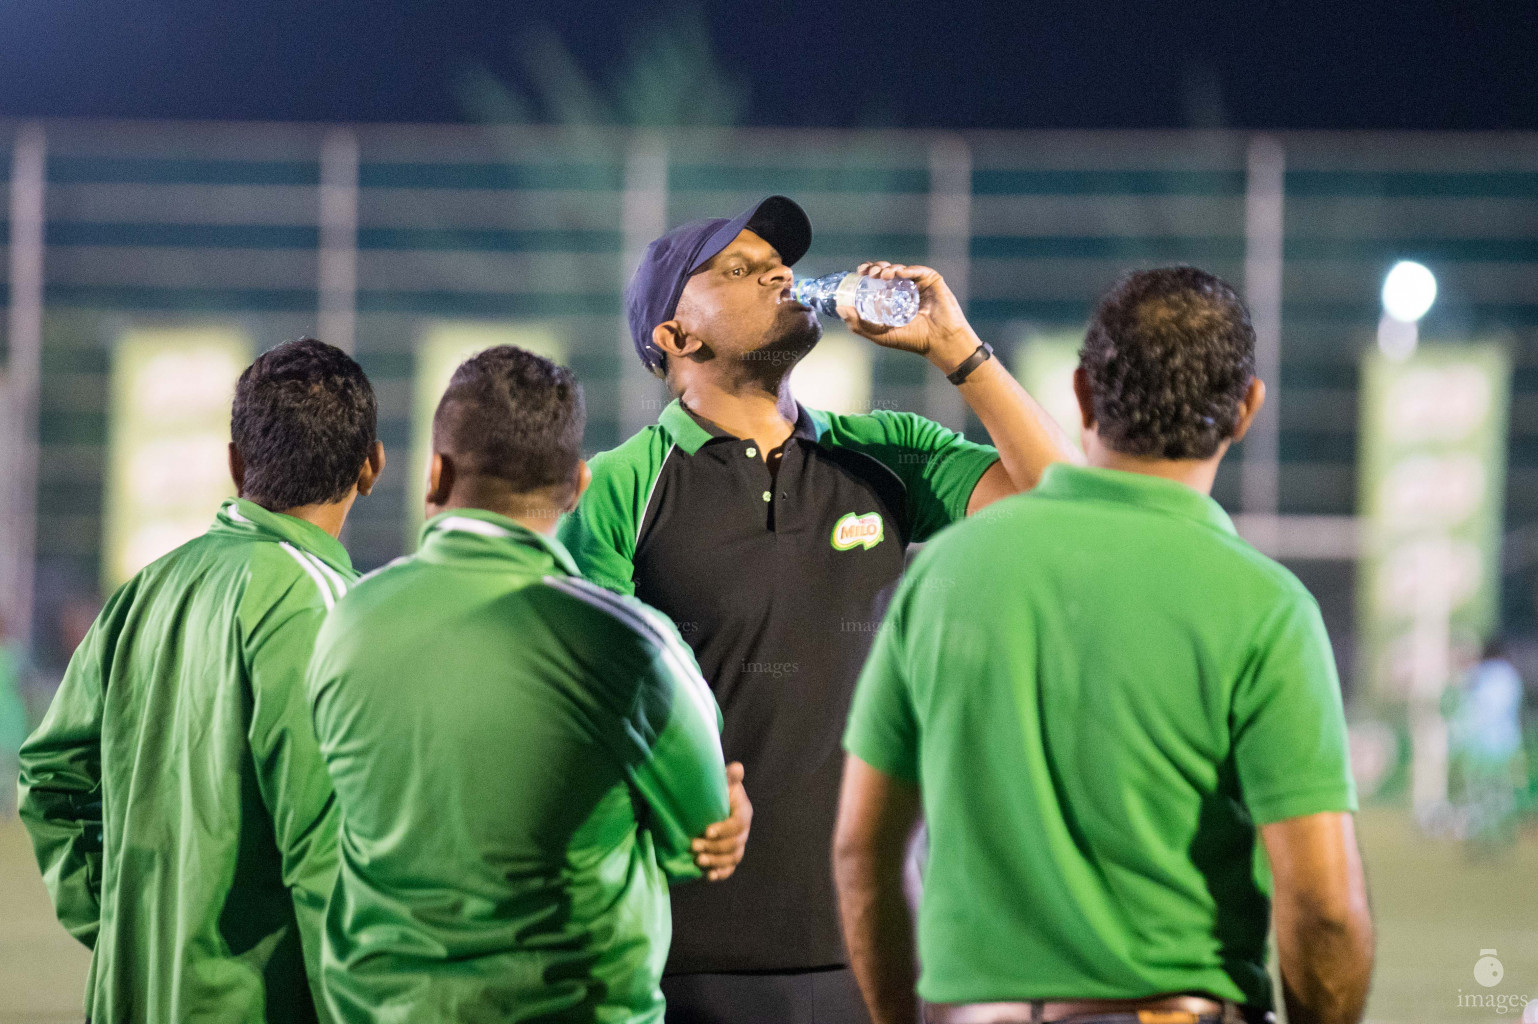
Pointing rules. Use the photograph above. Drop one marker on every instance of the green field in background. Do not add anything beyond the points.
(1435, 908)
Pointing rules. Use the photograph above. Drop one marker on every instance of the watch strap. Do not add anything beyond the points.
(981, 355)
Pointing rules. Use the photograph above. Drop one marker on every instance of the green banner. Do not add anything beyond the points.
(1044, 365)
(442, 348)
(1432, 487)
(168, 436)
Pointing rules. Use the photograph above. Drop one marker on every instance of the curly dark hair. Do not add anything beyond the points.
(513, 415)
(304, 420)
(1169, 354)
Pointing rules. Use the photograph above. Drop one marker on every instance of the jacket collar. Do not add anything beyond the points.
(477, 531)
(237, 515)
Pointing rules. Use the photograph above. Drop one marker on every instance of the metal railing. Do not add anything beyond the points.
(362, 234)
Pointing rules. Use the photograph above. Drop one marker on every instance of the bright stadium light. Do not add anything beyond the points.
(1408, 292)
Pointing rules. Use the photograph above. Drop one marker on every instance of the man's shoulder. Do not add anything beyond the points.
(876, 427)
(278, 572)
(209, 562)
(1273, 593)
(1267, 569)
(1248, 570)
(230, 581)
(1053, 525)
(639, 455)
(622, 482)
(383, 604)
(616, 622)
(375, 591)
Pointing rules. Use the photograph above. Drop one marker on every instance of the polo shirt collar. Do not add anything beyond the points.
(690, 434)
(509, 538)
(1063, 480)
(241, 516)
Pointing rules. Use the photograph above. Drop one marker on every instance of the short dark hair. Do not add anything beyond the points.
(513, 415)
(1170, 354)
(304, 420)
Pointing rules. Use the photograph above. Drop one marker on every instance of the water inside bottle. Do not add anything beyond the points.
(892, 303)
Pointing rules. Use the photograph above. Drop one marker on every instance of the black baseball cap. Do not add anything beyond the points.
(651, 298)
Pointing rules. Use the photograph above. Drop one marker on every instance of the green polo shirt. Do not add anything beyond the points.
(521, 760)
(1102, 692)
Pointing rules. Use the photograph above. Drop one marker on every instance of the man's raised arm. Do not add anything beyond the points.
(1028, 439)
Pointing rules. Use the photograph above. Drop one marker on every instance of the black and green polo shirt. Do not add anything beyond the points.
(776, 581)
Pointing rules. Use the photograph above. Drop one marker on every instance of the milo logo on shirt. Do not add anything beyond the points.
(852, 530)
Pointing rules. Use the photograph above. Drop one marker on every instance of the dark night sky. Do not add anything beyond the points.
(998, 64)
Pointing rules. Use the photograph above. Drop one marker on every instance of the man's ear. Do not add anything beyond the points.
(671, 339)
(374, 465)
(584, 478)
(440, 480)
(1249, 408)
(237, 470)
(1086, 397)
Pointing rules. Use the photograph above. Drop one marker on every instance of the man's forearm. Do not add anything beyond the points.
(65, 829)
(878, 929)
(1324, 933)
(1028, 439)
(61, 807)
(1326, 966)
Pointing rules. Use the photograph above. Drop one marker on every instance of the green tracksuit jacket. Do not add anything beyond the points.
(175, 794)
(521, 760)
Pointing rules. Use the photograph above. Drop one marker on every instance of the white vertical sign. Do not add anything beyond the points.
(168, 440)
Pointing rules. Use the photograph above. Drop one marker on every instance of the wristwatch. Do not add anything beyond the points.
(983, 353)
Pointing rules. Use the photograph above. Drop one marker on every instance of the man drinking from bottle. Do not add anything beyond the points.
(768, 532)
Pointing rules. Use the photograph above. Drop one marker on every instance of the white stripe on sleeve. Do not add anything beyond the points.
(331, 574)
(314, 574)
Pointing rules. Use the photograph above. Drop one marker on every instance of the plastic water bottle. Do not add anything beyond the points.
(892, 303)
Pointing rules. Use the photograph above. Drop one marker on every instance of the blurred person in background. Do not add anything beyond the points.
(1099, 747)
(175, 794)
(523, 761)
(75, 618)
(13, 717)
(770, 532)
(1485, 734)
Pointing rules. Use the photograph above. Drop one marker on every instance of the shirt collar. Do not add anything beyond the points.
(1062, 480)
(242, 516)
(507, 537)
(691, 433)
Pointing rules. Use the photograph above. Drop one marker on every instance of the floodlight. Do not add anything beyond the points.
(1408, 291)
